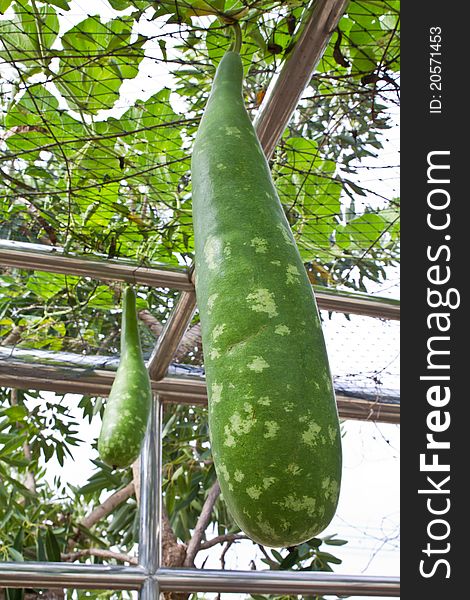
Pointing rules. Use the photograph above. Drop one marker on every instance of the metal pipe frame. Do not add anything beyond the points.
(151, 502)
(171, 336)
(36, 574)
(296, 72)
(171, 389)
(42, 258)
(51, 259)
(149, 577)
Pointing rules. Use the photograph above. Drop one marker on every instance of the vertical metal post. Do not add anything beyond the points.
(150, 502)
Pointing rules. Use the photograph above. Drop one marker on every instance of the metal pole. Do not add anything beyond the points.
(20, 374)
(36, 574)
(170, 338)
(45, 574)
(35, 256)
(283, 96)
(150, 502)
(276, 582)
(357, 304)
(42, 258)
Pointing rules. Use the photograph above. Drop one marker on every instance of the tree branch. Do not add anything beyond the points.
(224, 552)
(13, 337)
(201, 525)
(191, 338)
(221, 539)
(70, 557)
(103, 510)
(174, 554)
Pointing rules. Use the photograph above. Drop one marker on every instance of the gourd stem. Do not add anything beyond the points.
(237, 37)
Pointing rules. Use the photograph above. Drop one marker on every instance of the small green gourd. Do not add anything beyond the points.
(128, 407)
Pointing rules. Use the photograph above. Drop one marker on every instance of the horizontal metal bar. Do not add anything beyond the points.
(38, 257)
(182, 390)
(357, 304)
(276, 582)
(75, 575)
(42, 258)
(82, 576)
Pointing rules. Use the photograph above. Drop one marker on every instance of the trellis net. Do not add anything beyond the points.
(99, 105)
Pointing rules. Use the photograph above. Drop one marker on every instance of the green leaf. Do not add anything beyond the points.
(4, 4)
(15, 555)
(12, 594)
(20, 38)
(120, 4)
(93, 85)
(365, 230)
(15, 443)
(335, 542)
(184, 502)
(277, 555)
(102, 298)
(329, 558)
(52, 546)
(19, 538)
(40, 548)
(290, 560)
(64, 4)
(47, 285)
(121, 518)
(15, 413)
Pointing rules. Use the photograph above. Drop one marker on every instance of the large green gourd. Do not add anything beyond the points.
(128, 407)
(272, 413)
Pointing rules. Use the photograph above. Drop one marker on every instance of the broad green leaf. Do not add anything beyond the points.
(302, 153)
(15, 413)
(97, 58)
(47, 285)
(316, 234)
(27, 38)
(102, 298)
(64, 4)
(35, 122)
(4, 5)
(365, 231)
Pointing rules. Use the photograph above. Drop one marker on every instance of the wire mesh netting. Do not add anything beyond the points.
(99, 110)
(99, 106)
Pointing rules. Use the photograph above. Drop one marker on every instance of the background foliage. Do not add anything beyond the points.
(97, 117)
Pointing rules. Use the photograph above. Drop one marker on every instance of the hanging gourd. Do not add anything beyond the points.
(128, 406)
(273, 420)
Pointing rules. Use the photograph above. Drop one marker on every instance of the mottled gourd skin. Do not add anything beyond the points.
(273, 419)
(128, 407)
